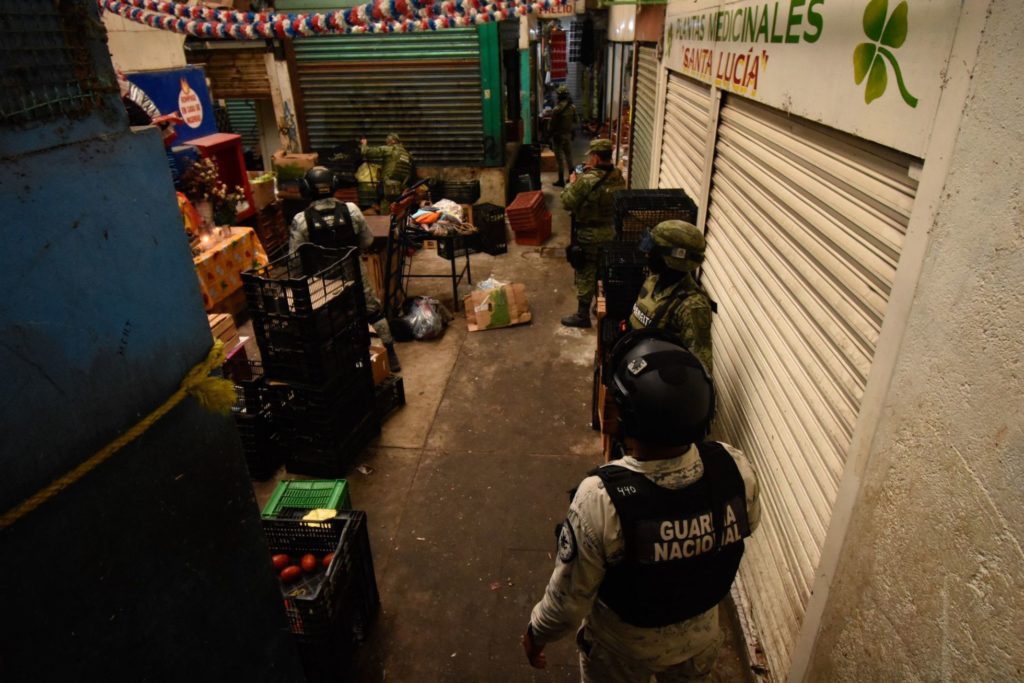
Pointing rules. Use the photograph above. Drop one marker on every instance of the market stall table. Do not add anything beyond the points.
(223, 259)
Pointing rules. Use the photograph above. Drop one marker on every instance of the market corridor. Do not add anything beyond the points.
(469, 479)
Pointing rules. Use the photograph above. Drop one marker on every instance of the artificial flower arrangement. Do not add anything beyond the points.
(202, 183)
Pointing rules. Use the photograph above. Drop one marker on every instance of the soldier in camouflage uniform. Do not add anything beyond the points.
(563, 130)
(671, 299)
(396, 168)
(652, 541)
(590, 200)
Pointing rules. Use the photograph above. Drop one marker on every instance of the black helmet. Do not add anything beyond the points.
(319, 182)
(664, 394)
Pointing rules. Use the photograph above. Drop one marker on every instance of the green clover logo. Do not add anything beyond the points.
(868, 57)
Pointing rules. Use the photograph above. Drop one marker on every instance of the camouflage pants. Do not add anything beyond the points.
(598, 665)
(374, 309)
(562, 147)
(591, 239)
(393, 189)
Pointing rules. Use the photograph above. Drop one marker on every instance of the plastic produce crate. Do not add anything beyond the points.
(317, 456)
(621, 261)
(389, 396)
(313, 362)
(489, 219)
(458, 246)
(639, 210)
(308, 494)
(345, 594)
(303, 282)
(460, 191)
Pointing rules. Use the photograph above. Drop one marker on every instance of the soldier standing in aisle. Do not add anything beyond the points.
(332, 223)
(563, 130)
(670, 298)
(590, 200)
(396, 167)
(652, 541)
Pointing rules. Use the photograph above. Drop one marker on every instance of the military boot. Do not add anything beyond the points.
(581, 318)
(560, 182)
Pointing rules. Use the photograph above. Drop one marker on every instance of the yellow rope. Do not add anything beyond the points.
(213, 393)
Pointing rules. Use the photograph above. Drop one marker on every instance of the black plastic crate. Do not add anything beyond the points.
(489, 220)
(389, 396)
(303, 282)
(327, 458)
(458, 246)
(460, 191)
(315, 363)
(621, 261)
(250, 387)
(345, 594)
(330, 412)
(326, 322)
(619, 297)
(639, 210)
(262, 445)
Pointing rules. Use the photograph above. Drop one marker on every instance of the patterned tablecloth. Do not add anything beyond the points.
(220, 264)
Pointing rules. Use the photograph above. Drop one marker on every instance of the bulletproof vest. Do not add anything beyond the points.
(598, 208)
(654, 309)
(682, 546)
(398, 164)
(331, 227)
(562, 119)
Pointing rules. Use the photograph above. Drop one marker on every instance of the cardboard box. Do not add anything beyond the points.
(222, 327)
(262, 192)
(548, 163)
(501, 307)
(292, 165)
(379, 364)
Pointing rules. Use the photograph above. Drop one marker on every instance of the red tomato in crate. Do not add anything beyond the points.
(290, 574)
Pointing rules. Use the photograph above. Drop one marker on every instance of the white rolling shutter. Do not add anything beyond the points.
(804, 230)
(687, 116)
(643, 118)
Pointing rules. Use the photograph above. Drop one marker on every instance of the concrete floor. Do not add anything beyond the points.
(468, 480)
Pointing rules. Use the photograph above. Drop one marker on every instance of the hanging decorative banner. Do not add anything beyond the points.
(379, 16)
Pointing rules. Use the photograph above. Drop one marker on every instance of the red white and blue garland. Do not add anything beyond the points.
(379, 16)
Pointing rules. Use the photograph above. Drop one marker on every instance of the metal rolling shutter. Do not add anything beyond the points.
(244, 121)
(423, 86)
(643, 118)
(804, 229)
(687, 115)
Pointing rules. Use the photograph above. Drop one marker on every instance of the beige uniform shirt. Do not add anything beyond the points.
(571, 594)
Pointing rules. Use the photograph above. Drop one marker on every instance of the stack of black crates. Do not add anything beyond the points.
(309, 318)
(331, 611)
(254, 412)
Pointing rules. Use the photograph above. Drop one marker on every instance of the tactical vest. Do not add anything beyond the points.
(563, 120)
(332, 228)
(398, 165)
(654, 309)
(598, 206)
(682, 546)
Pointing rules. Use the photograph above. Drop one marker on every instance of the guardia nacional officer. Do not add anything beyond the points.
(590, 200)
(652, 542)
(332, 223)
(563, 129)
(396, 167)
(670, 298)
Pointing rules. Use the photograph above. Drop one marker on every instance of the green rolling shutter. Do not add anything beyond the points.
(424, 86)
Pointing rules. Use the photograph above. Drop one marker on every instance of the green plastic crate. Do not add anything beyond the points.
(308, 494)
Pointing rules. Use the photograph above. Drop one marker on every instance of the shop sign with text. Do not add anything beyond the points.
(873, 68)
